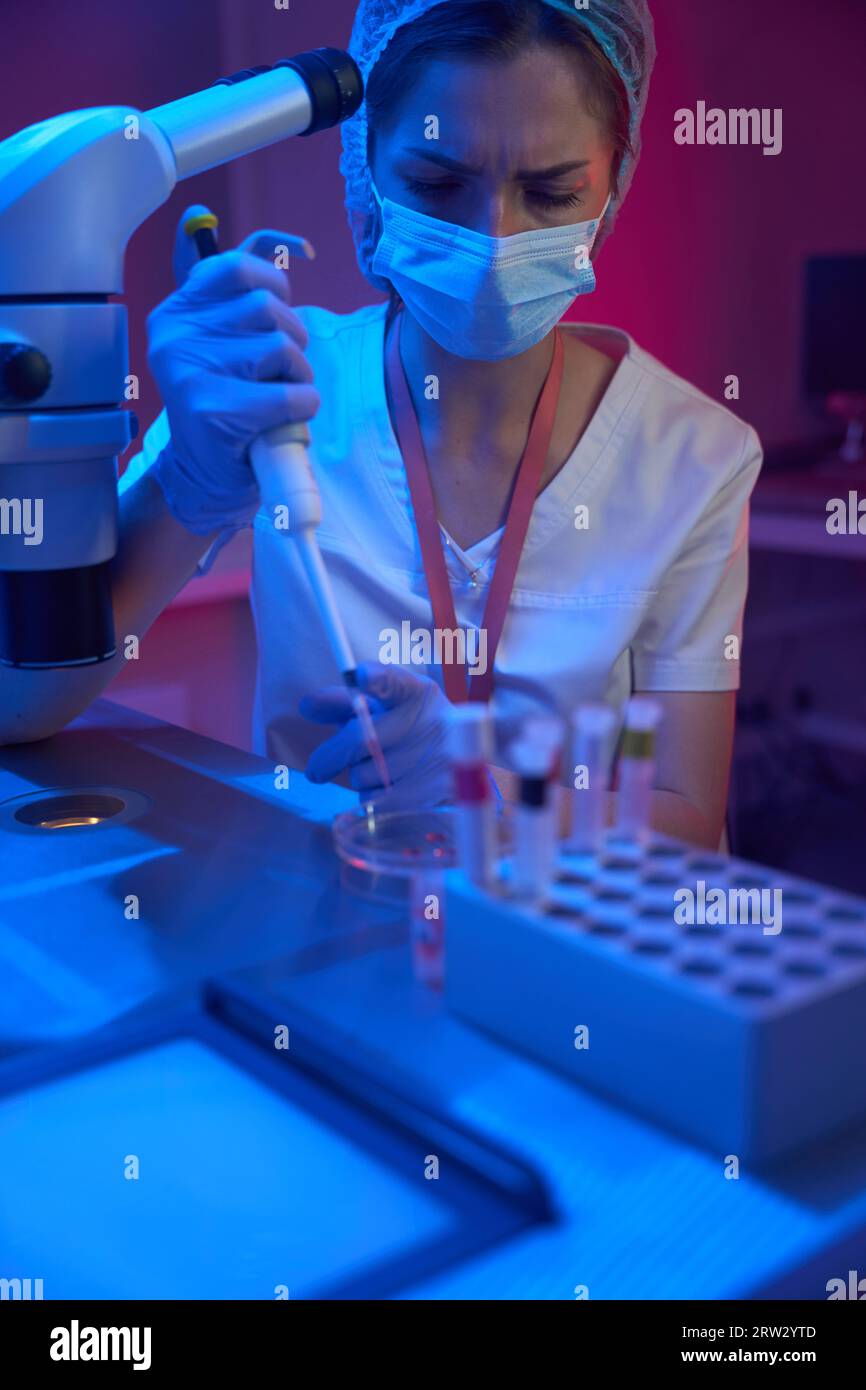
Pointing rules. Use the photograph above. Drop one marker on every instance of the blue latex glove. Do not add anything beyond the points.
(410, 713)
(226, 351)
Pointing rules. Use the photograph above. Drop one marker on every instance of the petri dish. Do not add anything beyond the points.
(383, 855)
(381, 852)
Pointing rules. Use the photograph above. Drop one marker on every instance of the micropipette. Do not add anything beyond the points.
(287, 486)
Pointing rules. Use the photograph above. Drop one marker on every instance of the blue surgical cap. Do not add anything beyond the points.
(623, 29)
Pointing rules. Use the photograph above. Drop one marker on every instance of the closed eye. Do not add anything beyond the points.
(439, 187)
(556, 200)
(431, 190)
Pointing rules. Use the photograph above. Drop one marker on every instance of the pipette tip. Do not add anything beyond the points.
(371, 738)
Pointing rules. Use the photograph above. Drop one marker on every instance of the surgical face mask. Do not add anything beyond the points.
(479, 296)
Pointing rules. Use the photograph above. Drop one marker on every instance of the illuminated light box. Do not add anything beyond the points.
(255, 1178)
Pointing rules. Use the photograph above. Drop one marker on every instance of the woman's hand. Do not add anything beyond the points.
(410, 713)
(226, 351)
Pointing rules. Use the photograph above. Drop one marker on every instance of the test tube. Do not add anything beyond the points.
(534, 844)
(637, 767)
(427, 926)
(547, 730)
(593, 727)
(470, 745)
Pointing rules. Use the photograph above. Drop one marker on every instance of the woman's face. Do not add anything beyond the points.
(517, 148)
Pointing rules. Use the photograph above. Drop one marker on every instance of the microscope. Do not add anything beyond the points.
(73, 189)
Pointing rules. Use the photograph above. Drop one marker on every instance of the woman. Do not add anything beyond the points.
(488, 164)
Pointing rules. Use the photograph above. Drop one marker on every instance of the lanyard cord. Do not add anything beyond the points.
(457, 682)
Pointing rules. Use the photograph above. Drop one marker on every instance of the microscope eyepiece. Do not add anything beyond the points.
(332, 78)
(334, 82)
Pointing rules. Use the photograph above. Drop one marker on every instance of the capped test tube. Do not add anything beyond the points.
(534, 842)
(470, 745)
(637, 767)
(547, 730)
(593, 728)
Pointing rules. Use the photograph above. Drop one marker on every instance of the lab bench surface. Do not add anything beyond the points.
(789, 513)
(220, 874)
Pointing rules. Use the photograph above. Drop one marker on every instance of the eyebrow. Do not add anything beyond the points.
(570, 167)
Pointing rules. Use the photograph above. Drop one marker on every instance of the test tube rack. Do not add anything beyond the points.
(748, 1041)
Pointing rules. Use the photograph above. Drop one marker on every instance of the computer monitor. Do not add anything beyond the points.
(835, 325)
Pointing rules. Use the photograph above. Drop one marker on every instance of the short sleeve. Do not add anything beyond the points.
(157, 438)
(692, 634)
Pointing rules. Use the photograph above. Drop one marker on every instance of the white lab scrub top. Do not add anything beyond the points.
(634, 571)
